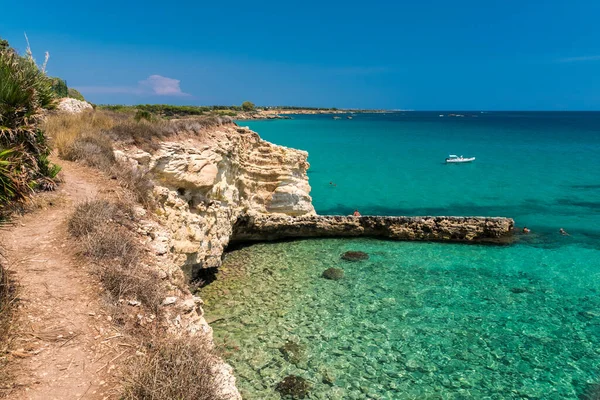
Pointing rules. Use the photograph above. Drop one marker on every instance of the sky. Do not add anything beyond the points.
(418, 55)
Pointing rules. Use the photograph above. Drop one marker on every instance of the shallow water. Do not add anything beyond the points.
(427, 320)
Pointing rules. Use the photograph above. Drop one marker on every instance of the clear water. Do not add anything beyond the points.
(423, 320)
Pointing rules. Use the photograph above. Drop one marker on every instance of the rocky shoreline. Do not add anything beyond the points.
(289, 113)
(250, 228)
(222, 184)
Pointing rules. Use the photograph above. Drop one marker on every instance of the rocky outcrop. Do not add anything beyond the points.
(73, 106)
(206, 180)
(224, 184)
(255, 227)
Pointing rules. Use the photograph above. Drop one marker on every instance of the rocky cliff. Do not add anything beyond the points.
(204, 181)
(224, 184)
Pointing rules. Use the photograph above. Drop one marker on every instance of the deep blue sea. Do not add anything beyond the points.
(428, 320)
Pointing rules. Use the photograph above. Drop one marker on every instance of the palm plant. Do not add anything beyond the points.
(25, 94)
(13, 180)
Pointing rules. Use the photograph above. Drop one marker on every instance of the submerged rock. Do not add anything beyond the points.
(335, 274)
(294, 387)
(292, 352)
(355, 256)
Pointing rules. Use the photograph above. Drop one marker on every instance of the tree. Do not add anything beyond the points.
(248, 106)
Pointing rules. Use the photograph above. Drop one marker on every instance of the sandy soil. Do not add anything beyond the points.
(65, 345)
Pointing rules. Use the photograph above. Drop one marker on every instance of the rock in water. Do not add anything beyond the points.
(335, 274)
(294, 387)
(355, 256)
(292, 352)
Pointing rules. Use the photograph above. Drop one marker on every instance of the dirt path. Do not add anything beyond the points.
(65, 346)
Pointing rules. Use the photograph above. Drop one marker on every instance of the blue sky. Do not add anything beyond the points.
(422, 55)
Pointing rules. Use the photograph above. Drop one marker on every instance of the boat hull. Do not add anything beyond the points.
(460, 160)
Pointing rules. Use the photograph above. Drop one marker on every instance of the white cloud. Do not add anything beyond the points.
(163, 86)
(153, 85)
(578, 59)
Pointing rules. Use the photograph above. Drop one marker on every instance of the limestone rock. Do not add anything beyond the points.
(73, 106)
(260, 227)
(204, 183)
(169, 300)
(334, 274)
(355, 256)
(294, 387)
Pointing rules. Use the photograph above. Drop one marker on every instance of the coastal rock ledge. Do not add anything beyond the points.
(257, 227)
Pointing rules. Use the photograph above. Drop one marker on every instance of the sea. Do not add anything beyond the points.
(426, 320)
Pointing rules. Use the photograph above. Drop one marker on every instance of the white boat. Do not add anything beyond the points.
(456, 159)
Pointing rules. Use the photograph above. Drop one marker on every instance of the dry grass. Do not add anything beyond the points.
(92, 214)
(63, 128)
(113, 244)
(94, 150)
(175, 368)
(133, 282)
(7, 303)
(105, 235)
(137, 181)
(147, 134)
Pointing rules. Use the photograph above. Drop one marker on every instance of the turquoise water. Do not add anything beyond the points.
(426, 320)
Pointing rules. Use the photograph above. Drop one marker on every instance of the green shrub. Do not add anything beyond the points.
(74, 93)
(25, 92)
(248, 106)
(144, 115)
(59, 87)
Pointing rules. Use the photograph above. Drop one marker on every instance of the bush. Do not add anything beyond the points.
(7, 306)
(13, 181)
(90, 215)
(74, 94)
(137, 182)
(94, 150)
(25, 94)
(59, 87)
(143, 114)
(175, 368)
(248, 106)
(104, 233)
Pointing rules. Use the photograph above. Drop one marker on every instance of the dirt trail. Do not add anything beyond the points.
(65, 345)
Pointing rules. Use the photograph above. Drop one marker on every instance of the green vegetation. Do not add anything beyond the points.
(59, 87)
(74, 94)
(25, 93)
(248, 106)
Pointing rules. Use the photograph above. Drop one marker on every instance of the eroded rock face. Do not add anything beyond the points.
(206, 181)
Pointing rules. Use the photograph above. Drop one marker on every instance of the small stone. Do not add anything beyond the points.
(292, 352)
(518, 290)
(134, 303)
(335, 274)
(355, 256)
(169, 300)
(294, 387)
(188, 305)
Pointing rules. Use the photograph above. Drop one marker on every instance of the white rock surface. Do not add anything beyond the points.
(205, 182)
(73, 106)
